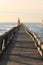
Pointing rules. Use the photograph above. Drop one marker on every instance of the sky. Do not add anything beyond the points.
(27, 10)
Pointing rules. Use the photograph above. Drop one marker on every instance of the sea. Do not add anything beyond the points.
(35, 27)
(4, 27)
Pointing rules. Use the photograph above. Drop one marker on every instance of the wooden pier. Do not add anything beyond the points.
(20, 47)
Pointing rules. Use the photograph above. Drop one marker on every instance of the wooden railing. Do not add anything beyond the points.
(38, 42)
(7, 37)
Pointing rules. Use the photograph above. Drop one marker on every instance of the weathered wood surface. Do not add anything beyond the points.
(21, 51)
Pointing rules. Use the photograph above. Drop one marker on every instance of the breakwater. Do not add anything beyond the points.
(21, 47)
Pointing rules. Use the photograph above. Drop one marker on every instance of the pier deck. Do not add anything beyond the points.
(21, 51)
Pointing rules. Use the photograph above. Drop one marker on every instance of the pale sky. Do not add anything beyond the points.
(26, 10)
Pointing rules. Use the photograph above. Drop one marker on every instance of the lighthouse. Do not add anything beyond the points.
(18, 21)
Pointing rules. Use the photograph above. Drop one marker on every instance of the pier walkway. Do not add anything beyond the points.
(21, 50)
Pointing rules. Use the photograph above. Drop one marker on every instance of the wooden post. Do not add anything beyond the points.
(1, 42)
(42, 50)
(6, 39)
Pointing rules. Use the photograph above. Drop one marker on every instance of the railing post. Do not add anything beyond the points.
(6, 39)
(42, 54)
(1, 42)
(42, 50)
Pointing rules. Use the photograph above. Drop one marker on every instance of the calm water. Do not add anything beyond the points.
(4, 27)
(37, 28)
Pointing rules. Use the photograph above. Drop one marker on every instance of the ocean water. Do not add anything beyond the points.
(4, 27)
(37, 28)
